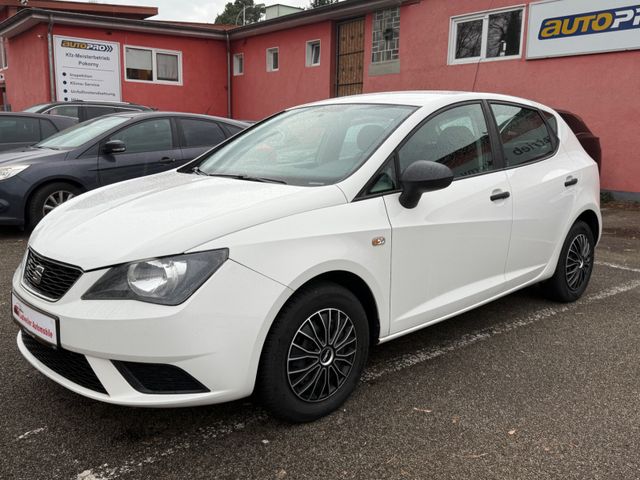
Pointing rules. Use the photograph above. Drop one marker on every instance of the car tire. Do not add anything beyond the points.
(314, 354)
(574, 267)
(48, 197)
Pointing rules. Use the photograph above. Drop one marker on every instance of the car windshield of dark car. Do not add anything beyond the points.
(35, 108)
(310, 146)
(80, 134)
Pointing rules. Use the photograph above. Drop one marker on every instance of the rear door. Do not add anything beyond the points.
(543, 181)
(151, 148)
(18, 132)
(198, 135)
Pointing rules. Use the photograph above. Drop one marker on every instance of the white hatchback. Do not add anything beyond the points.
(273, 262)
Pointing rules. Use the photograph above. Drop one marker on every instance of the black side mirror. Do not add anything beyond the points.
(421, 177)
(114, 146)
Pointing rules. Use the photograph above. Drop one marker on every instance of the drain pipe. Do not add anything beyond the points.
(52, 80)
(229, 112)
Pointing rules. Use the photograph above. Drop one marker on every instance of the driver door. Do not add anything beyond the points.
(449, 252)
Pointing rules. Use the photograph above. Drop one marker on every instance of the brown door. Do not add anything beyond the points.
(350, 65)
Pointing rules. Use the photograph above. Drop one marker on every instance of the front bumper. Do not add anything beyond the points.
(215, 337)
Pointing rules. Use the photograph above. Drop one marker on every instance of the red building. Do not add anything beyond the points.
(579, 55)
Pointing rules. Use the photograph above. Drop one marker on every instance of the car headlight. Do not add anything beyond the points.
(8, 172)
(165, 281)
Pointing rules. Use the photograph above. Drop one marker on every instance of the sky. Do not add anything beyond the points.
(194, 10)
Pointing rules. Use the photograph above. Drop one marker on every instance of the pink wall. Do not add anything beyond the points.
(259, 93)
(601, 88)
(204, 70)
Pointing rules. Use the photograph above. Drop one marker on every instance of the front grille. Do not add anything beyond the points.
(156, 378)
(49, 278)
(72, 366)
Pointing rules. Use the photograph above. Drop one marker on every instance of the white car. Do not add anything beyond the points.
(273, 262)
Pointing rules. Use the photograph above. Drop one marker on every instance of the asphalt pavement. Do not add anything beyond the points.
(522, 388)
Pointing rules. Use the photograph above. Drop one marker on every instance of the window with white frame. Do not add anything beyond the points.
(153, 65)
(273, 59)
(238, 64)
(3, 54)
(313, 53)
(485, 36)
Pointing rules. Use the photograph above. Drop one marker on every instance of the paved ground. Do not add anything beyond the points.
(519, 389)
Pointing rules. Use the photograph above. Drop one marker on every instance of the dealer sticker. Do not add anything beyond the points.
(36, 323)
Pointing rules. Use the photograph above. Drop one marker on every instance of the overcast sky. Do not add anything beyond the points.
(194, 10)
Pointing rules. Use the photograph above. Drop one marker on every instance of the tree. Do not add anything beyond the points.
(321, 3)
(232, 14)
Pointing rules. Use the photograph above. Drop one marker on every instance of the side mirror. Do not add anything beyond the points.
(114, 146)
(422, 177)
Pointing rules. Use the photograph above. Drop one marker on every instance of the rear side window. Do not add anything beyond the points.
(201, 133)
(65, 111)
(19, 130)
(523, 133)
(233, 129)
(552, 121)
(47, 129)
(457, 138)
(96, 111)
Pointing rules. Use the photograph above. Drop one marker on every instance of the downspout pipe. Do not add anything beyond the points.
(229, 111)
(52, 80)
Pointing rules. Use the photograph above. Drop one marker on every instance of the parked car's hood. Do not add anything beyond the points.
(29, 155)
(166, 214)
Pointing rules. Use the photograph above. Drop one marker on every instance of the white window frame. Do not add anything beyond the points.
(309, 53)
(269, 59)
(4, 62)
(154, 66)
(484, 16)
(236, 71)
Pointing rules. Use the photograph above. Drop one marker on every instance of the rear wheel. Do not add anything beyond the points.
(314, 354)
(48, 198)
(574, 267)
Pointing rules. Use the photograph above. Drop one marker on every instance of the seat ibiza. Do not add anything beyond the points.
(274, 261)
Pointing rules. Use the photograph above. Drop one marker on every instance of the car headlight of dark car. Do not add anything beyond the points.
(164, 281)
(12, 171)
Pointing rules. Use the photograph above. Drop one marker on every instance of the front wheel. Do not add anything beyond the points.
(314, 354)
(574, 267)
(48, 198)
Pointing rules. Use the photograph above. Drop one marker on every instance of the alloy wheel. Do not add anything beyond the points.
(321, 355)
(55, 200)
(579, 262)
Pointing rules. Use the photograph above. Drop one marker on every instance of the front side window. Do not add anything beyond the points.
(147, 136)
(310, 146)
(80, 134)
(523, 133)
(486, 36)
(313, 53)
(458, 138)
(19, 130)
(152, 65)
(273, 60)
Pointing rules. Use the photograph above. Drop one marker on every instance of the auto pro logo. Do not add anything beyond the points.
(94, 47)
(603, 21)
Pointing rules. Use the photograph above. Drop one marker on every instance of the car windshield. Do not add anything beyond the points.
(35, 108)
(309, 146)
(81, 134)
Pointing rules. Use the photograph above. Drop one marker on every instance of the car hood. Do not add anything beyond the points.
(28, 155)
(166, 214)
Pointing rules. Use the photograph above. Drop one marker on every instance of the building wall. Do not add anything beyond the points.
(204, 70)
(259, 93)
(27, 78)
(601, 88)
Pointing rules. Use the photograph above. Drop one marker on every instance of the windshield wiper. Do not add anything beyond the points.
(247, 178)
(197, 171)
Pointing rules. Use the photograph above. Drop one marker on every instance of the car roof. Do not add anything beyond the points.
(154, 114)
(423, 98)
(86, 102)
(43, 116)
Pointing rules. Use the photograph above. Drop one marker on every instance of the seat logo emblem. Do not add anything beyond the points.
(36, 276)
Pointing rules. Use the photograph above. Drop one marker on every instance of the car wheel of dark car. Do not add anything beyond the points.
(47, 198)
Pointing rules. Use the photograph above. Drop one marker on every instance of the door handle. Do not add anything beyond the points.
(167, 160)
(571, 181)
(500, 196)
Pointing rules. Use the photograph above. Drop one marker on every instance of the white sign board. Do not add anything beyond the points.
(87, 69)
(577, 27)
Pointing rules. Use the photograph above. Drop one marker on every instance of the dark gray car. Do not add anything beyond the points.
(35, 180)
(18, 130)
